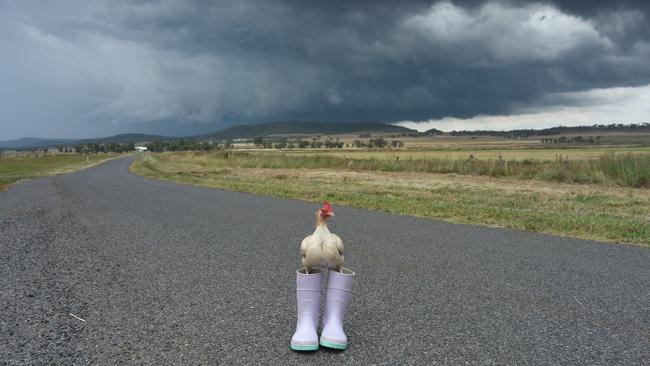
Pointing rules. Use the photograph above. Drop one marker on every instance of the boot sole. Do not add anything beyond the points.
(333, 345)
(312, 347)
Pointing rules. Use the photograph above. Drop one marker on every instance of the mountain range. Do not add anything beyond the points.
(27, 142)
(230, 133)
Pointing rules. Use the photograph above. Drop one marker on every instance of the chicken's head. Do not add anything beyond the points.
(325, 212)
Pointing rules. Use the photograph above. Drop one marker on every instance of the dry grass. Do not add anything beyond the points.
(482, 152)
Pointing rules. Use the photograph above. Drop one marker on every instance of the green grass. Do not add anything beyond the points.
(600, 212)
(28, 165)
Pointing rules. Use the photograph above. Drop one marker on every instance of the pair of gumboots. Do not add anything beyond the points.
(308, 290)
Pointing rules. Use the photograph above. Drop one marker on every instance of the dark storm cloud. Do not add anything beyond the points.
(94, 67)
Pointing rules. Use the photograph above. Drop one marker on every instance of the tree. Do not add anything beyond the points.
(258, 140)
(379, 142)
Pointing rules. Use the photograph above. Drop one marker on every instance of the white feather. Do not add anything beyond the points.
(322, 249)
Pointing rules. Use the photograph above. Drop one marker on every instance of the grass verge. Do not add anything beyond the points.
(598, 212)
(26, 166)
(611, 169)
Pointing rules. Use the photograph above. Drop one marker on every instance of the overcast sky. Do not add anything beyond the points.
(94, 68)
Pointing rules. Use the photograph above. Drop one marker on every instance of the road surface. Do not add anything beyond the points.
(163, 273)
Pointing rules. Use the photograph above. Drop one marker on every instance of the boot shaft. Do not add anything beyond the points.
(308, 288)
(339, 291)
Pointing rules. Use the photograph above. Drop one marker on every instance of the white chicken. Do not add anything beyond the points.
(323, 248)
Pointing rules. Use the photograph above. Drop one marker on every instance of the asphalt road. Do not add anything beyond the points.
(172, 274)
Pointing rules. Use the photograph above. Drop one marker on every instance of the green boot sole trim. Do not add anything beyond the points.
(312, 347)
(333, 345)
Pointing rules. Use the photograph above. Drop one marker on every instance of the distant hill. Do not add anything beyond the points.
(301, 128)
(29, 142)
(35, 142)
(560, 130)
(432, 132)
(124, 138)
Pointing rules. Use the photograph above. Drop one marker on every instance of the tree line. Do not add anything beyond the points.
(284, 143)
(377, 142)
(186, 145)
(570, 140)
(84, 148)
(524, 133)
(316, 143)
(113, 147)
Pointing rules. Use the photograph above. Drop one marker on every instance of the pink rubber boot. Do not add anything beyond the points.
(308, 292)
(339, 287)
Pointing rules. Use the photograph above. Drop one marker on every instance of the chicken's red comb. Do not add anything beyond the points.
(326, 207)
